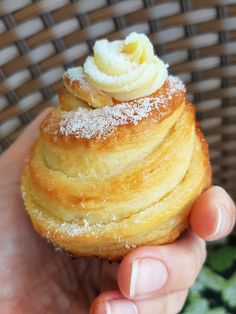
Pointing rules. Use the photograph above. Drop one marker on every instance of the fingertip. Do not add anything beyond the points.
(125, 273)
(99, 305)
(213, 214)
(145, 267)
(203, 218)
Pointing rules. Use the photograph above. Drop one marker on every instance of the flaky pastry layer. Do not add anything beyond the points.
(106, 194)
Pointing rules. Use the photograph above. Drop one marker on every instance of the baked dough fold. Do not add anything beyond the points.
(103, 181)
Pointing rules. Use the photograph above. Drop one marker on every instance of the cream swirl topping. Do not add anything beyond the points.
(126, 69)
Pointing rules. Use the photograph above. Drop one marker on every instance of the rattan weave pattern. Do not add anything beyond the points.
(40, 39)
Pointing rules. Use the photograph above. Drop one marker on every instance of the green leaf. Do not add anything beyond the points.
(229, 291)
(222, 258)
(197, 307)
(211, 280)
(192, 297)
(216, 244)
(195, 291)
(217, 310)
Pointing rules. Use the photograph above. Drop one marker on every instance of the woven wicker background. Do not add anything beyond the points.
(40, 39)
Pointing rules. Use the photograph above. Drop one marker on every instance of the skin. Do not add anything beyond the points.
(35, 278)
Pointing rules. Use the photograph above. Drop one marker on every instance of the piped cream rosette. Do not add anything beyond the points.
(120, 70)
(126, 69)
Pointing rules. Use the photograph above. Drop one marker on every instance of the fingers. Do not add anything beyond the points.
(154, 279)
(213, 214)
(114, 303)
(149, 272)
(20, 149)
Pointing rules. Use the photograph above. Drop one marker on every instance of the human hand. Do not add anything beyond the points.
(34, 278)
(155, 280)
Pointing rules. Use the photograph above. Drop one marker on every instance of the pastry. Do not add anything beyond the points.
(119, 163)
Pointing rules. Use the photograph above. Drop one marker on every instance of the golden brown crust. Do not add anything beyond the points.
(105, 196)
(88, 93)
(68, 102)
(50, 128)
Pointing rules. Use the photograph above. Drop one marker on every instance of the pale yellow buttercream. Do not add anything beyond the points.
(126, 69)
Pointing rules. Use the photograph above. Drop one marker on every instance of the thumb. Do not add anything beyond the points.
(20, 149)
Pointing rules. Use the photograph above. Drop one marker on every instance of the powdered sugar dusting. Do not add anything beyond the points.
(102, 122)
(65, 228)
(72, 230)
(77, 74)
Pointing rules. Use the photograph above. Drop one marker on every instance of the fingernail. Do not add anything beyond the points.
(223, 222)
(120, 306)
(148, 275)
